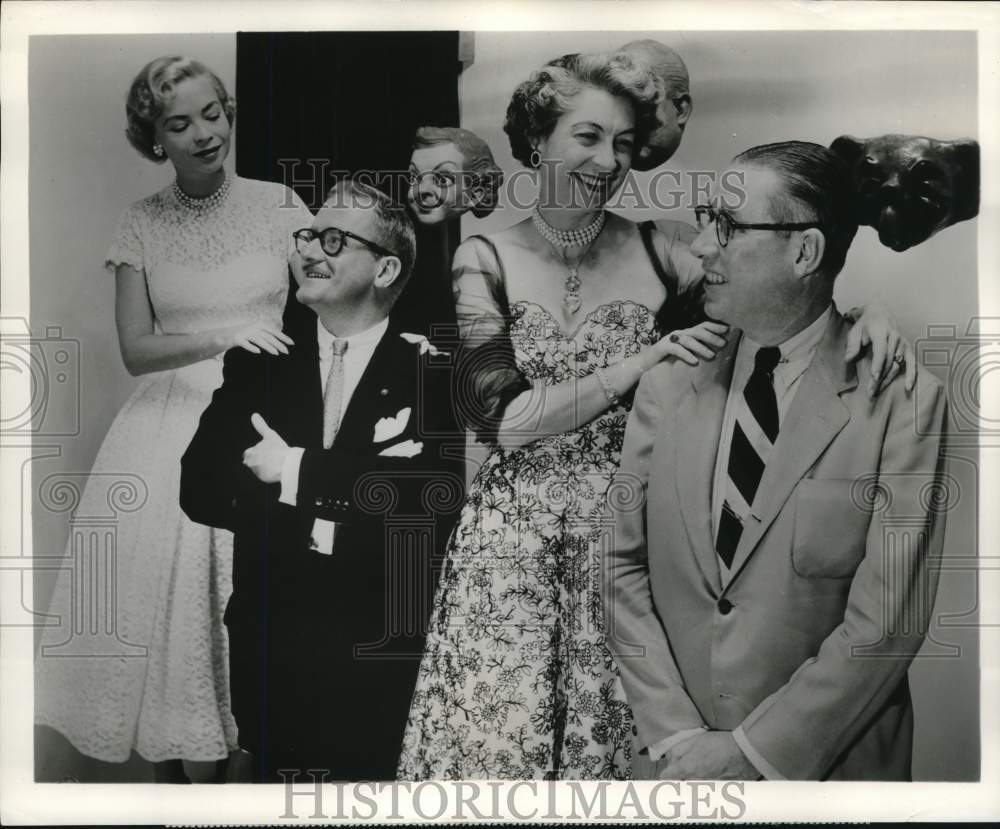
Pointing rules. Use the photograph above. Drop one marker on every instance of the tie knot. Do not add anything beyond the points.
(766, 359)
(338, 346)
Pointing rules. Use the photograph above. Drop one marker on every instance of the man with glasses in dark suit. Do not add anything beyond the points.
(323, 464)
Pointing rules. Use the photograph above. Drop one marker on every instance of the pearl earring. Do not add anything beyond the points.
(158, 150)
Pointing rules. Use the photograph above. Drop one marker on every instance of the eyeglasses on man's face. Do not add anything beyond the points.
(332, 240)
(726, 225)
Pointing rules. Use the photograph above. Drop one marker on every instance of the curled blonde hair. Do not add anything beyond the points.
(153, 88)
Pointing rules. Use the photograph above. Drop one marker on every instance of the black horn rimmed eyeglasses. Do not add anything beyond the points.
(726, 225)
(331, 240)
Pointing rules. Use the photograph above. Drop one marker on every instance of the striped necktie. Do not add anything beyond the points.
(333, 394)
(754, 434)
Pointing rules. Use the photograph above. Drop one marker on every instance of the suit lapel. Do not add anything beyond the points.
(814, 419)
(696, 448)
(304, 385)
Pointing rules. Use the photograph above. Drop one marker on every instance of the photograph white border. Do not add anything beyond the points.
(22, 801)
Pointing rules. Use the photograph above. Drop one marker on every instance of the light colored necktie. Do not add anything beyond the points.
(333, 394)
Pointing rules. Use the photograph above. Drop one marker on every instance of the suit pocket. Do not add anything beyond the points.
(830, 529)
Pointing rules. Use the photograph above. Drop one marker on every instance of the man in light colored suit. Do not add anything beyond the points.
(771, 573)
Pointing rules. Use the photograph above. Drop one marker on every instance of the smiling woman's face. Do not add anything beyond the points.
(193, 129)
(589, 151)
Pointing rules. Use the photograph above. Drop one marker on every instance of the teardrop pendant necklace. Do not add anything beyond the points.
(561, 239)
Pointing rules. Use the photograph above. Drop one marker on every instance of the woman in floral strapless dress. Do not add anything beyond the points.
(559, 318)
(201, 267)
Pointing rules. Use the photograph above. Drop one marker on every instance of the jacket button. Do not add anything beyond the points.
(725, 606)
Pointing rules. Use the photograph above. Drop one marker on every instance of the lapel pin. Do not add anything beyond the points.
(384, 392)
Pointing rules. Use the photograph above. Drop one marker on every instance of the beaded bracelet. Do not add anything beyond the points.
(609, 391)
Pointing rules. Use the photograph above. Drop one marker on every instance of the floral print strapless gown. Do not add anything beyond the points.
(516, 680)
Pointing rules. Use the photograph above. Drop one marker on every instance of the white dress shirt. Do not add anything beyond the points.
(360, 348)
(796, 354)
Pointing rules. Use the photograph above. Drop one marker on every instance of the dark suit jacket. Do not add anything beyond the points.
(324, 649)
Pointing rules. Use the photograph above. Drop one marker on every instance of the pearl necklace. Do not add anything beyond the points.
(570, 238)
(204, 204)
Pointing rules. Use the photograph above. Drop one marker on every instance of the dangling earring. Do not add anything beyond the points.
(158, 151)
(536, 158)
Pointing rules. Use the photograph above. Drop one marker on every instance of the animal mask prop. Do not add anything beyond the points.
(909, 187)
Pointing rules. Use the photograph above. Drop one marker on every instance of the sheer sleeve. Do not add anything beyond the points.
(486, 375)
(680, 272)
(126, 249)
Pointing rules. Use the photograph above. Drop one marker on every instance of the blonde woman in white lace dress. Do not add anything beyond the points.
(200, 267)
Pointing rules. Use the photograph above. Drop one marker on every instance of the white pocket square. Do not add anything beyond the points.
(389, 427)
(406, 449)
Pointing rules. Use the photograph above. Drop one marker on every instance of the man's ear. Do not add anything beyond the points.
(685, 106)
(388, 272)
(810, 253)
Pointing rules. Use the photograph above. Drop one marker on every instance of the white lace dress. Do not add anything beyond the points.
(139, 657)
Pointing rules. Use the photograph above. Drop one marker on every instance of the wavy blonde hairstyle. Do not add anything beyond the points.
(153, 89)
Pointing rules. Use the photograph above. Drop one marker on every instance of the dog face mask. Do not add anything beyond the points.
(909, 187)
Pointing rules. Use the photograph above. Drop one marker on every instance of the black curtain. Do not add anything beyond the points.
(351, 99)
(314, 105)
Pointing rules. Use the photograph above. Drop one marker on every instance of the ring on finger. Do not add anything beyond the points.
(674, 338)
(899, 359)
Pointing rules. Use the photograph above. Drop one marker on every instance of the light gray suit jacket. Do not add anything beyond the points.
(808, 645)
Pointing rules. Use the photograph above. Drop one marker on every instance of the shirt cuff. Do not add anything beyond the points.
(290, 476)
(767, 771)
(657, 750)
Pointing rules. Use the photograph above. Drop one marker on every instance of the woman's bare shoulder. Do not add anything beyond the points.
(516, 233)
(515, 238)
